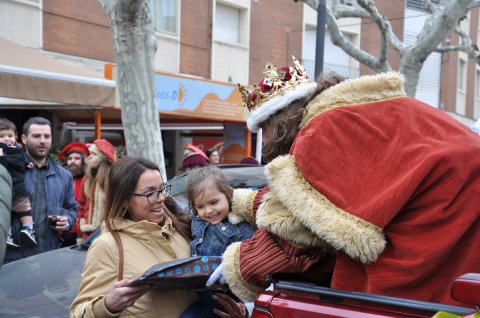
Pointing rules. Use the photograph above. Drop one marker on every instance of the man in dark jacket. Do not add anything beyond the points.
(51, 188)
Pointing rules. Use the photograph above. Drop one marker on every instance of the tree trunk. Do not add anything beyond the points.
(410, 67)
(135, 45)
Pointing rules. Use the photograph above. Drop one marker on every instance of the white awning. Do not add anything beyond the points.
(28, 75)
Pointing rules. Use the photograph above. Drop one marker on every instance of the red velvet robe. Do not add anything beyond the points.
(392, 184)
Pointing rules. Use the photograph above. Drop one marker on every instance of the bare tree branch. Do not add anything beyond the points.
(340, 40)
(474, 4)
(437, 26)
(443, 20)
(343, 11)
(369, 6)
(429, 6)
(466, 46)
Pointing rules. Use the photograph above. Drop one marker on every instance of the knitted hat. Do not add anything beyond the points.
(76, 146)
(106, 149)
(193, 161)
(279, 88)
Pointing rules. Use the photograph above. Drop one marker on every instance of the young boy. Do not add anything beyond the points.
(14, 160)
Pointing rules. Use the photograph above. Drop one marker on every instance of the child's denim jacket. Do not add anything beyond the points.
(213, 239)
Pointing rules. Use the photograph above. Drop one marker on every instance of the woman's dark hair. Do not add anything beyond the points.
(195, 184)
(122, 180)
(285, 122)
(210, 152)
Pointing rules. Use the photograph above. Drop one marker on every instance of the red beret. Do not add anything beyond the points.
(106, 148)
(73, 147)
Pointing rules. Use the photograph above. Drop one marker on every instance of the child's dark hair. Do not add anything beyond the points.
(7, 124)
(196, 178)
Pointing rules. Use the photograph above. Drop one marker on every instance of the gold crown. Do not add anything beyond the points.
(277, 81)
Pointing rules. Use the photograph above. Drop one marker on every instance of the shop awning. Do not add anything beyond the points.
(32, 78)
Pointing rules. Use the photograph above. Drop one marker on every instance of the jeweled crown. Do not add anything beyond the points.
(277, 81)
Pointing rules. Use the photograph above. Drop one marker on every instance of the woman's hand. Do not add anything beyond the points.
(121, 296)
(233, 308)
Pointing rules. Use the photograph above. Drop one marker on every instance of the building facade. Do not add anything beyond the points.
(227, 41)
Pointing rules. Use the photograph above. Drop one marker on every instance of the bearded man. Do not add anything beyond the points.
(73, 157)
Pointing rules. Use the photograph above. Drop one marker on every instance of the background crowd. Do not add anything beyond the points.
(57, 203)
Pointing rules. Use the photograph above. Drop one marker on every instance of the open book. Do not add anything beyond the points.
(182, 273)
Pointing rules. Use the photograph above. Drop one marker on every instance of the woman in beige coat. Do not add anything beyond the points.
(136, 209)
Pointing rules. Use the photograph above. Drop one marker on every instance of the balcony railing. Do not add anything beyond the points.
(346, 71)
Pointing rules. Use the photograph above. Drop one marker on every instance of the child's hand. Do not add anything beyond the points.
(1, 151)
(30, 165)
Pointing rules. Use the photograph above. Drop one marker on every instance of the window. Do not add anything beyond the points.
(476, 103)
(164, 15)
(462, 75)
(418, 4)
(228, 24)
(461, 102)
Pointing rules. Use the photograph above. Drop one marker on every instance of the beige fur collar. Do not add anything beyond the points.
(371, 88)
(278, 220)
(354, 236)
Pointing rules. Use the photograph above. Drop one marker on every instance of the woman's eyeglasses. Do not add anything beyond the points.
(153, 196)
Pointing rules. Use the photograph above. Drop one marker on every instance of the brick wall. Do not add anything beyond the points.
(195, 37)
(77, 27)
(275, 34)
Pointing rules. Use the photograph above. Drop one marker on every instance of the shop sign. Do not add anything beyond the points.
(198, 97)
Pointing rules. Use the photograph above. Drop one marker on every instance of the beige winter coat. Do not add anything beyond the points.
(144, 245)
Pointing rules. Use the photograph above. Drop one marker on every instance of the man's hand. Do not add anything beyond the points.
(232, 308)
(217, 275)
(60, 222)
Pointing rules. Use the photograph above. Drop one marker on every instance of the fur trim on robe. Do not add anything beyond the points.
(358, 238)
(242, 204)
(273, 216)
(231, 271)
(370, 88)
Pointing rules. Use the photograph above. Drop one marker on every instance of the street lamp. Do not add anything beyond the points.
(320, 41)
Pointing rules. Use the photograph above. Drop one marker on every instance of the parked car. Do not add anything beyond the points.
(300, 299)
(46, 284)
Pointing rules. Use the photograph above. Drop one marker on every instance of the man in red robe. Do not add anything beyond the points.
(388, 183)
(73, 157)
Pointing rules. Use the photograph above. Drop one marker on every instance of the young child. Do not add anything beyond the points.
(14, 160)
(210, 198)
